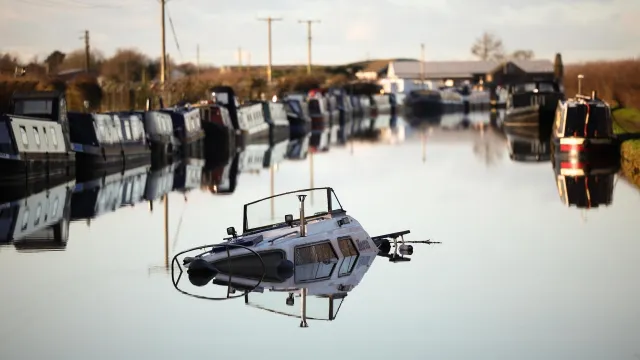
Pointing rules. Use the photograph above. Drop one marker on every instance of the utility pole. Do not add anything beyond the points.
(308, 22)
(163, 58)
(240, 59)
(269, 20)
(87, 51)
(422, 66)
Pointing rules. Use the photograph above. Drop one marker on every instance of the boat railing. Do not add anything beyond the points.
(283, 236)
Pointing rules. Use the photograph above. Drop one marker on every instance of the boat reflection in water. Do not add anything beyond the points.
(586, 184)
(37, 221)
(529, 142)
(221, 178)
(298, 148)
(384, 128)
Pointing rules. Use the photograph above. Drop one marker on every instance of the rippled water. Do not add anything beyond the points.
(519, 275)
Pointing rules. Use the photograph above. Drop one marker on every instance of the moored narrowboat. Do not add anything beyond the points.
(248, 118)
(34, 139)
(532, 103)
(583, 128)
(220, 139)
(318, 111)
(275, 113)
(187, 128)
(108, 141)
(159, 129)
(298, 116)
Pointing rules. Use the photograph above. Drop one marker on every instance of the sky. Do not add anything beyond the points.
(349, 31)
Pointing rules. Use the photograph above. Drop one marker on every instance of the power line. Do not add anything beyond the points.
(59, 4)
(175, 37)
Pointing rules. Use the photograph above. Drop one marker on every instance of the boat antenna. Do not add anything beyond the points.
(303, 231)
(580, 77)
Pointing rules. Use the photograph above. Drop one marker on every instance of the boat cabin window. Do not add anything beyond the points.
(36, 136)
(350, 254)
(25, 219)
(118, 125)
(44, 135)
(270, 212)
(34, 107)
(127, 128)
(25, 138)
(314, 262)
(54, 138)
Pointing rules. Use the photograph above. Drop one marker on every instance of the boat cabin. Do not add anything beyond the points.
(38, 124)
(583, 117)
(540, 93)
(187, 124)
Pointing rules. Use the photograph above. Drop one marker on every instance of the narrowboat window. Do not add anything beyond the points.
(54, 208)
(44, 135)
(25, 138)
(54, 139)
(118, 125)
(36, 135)
(34, 107)
(127, 129)
(36, 221)
(25, 219)
(134, 128)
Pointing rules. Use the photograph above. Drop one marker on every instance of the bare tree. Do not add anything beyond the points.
(488, 47)
(125, 65)
(523, 55)
(75, 60)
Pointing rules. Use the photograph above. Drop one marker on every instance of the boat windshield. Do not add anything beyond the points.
(270, 212)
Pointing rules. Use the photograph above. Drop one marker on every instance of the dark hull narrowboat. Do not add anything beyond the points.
(106, 143)
(107, 193)
(583, 129)
(248, 119)
(299, 120)
(187, 129)
(424, 103)
(34, 141)
(188, 175)
(298, 148)
(222, 178)
(220, 135)
(37, 221)
(159, 129)
(533, 103)
(276, 116)
(320, 119)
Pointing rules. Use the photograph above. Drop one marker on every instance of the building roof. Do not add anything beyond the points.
(463, 69)
(411, 69)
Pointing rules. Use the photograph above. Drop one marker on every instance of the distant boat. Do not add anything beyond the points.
(426, 103)
(532, 103)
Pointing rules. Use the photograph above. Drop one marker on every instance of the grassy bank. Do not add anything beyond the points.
(627, 121)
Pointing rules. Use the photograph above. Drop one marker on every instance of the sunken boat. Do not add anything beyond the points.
(34, 139)
(324, 253)
(108, 142)
(583, 128)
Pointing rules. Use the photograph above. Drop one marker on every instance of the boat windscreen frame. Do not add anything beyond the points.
(330, 210)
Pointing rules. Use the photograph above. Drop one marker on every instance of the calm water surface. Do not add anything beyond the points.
(518, 275)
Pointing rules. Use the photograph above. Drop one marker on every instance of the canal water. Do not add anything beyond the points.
(519, 275)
